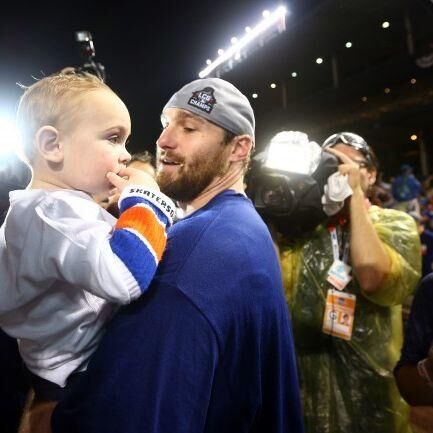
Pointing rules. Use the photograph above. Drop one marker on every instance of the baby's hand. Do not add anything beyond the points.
(132, 176)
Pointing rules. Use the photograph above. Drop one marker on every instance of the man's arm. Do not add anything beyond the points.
(369, 258)
(153, 371)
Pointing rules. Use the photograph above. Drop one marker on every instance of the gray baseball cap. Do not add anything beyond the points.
(219, 102)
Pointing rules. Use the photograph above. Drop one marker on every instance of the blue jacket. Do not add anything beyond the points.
(208, 349)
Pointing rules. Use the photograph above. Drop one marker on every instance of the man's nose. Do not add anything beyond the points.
(166, 139)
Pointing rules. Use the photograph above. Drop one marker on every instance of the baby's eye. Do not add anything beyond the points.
(114, 138)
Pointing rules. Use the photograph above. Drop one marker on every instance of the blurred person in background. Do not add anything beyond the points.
(406, 189)
(362, 263)
(414, 371)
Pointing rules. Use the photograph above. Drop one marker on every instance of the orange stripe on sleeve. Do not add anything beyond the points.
(144, 221)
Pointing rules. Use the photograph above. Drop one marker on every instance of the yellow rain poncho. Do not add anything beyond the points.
(348, 386)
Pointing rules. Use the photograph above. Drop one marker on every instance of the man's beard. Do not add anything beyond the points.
(193, 177)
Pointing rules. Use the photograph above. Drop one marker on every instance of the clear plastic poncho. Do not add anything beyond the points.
(348, 386)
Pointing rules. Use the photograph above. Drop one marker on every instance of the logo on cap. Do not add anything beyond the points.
(203, 99)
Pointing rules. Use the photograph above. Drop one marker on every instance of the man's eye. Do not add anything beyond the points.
(188, 129)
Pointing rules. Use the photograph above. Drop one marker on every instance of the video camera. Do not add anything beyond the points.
(87, 51)
(286, 183)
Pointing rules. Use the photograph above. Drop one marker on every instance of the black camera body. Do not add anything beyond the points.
(87, 52)
(291, 201)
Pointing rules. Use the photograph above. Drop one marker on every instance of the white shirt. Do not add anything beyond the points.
(59, 279)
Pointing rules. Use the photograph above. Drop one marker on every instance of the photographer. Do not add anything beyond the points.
(345, 282)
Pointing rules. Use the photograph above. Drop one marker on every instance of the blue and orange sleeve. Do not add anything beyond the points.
(139, 237)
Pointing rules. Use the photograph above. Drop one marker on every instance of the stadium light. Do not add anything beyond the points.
(277, 16)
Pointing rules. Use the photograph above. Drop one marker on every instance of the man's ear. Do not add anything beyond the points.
(242, 145)
(48, 144)
(372, 175)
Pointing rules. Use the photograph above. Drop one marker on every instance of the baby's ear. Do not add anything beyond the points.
(48, 145)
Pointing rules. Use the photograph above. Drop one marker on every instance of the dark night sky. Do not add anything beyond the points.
(151, 49)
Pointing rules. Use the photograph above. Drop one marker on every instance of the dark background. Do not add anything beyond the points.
(151, 49)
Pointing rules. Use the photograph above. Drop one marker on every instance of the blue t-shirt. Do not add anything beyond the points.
(419, 331)
(208, 349)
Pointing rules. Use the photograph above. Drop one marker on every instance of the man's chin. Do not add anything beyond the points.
(164, 179)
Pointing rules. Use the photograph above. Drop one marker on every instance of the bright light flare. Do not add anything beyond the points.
(291, 151)
(9, 138)
(273, 18)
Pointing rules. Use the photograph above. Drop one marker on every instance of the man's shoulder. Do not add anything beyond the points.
(378, 212)
(228, 221)
(223, 252)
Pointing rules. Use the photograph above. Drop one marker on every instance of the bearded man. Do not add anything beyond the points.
(209, 348)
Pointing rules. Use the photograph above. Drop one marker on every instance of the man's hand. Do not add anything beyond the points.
(132, 176)
(349, 168)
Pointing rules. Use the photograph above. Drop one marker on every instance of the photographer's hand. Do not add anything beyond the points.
(350, 168)
(132, 176)
(370, 260)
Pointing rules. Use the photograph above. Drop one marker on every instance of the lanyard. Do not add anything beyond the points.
(335, 248)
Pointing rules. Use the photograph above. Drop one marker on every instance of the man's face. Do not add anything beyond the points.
(190, 154)
(368, 175)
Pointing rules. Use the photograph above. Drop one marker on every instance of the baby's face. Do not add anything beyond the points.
(94, 142)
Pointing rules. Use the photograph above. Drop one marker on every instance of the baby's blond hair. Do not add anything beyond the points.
(50, 101)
